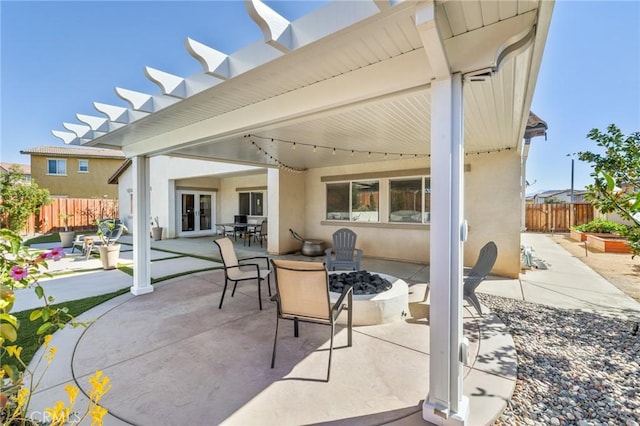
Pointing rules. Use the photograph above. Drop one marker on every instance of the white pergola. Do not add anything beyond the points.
(368, 80)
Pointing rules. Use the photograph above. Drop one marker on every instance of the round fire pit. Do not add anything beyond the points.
(377, 308)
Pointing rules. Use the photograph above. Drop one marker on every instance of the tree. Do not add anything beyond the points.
(616, 174)
(20, 198)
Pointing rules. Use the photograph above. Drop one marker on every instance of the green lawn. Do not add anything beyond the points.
(47, 238)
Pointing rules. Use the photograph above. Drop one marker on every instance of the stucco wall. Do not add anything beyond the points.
(287, 198)
(388, 241)
(77, 184)
(492, 209)
(169, 173)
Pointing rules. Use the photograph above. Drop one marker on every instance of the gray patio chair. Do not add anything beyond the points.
(477, 274)
(302, 293)
(236, 271)
(344, 248)
(111, 229)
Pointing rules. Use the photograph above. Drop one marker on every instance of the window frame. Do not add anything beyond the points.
(80, 160)
(57, 161)
(256, 202)
(353, 215)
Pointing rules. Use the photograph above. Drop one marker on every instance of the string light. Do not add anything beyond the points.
(315, 148)
(334, 152)
(293, 146)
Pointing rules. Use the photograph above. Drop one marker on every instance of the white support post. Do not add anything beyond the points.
(445, 404)
(141, 228)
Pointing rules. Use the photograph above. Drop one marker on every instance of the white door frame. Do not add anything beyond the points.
(197, 214)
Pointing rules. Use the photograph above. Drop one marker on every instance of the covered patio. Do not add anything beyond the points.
(196, 364)
(418, 88)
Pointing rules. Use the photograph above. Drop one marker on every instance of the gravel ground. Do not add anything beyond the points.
(574, 367)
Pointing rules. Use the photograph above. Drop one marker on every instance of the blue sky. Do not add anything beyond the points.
(59, 57)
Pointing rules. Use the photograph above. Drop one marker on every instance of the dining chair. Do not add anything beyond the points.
(235, 270)
(302, 294)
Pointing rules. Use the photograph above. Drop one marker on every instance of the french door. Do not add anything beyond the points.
(196, 210)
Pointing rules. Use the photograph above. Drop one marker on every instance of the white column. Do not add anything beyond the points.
(142, 227)
(445, 404)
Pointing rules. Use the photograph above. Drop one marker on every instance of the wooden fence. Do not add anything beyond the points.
(557, 217)
(83, 215)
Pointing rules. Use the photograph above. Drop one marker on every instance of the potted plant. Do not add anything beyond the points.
(109, 231)
(66, 236)
(156, 231)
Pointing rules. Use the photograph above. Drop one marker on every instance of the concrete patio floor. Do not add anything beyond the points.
(174, 358)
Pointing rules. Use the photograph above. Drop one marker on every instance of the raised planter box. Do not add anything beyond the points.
(608, 243)
(578, 235)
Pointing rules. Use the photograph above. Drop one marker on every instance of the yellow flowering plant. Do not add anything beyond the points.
(18, 381)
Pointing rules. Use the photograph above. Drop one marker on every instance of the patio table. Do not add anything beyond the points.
(247, 227)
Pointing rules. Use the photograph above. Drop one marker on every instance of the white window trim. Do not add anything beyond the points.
(79, 161)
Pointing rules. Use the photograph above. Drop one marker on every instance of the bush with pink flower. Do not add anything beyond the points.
(20, 269)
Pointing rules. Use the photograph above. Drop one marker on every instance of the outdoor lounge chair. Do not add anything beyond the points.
(477, 274)
(302, 293)
(236, 271)
(111, 230)
(346, 253)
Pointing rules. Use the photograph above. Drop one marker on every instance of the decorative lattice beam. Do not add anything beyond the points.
(276, 29)
(144, 102)
(213, 62)
(66, 137)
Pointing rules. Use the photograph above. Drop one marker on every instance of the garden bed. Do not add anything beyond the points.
(608, 243)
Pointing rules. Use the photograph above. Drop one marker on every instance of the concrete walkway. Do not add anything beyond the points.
(174, 358)
(565, 283)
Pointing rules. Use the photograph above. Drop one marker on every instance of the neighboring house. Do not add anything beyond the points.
(559, 196)
(404, 121)
(25, 168)
(75, 172)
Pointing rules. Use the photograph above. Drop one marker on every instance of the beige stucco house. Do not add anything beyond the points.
(75, 172)
(346, 108)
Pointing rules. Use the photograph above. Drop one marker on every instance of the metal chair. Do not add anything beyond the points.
(477, 274)
(346, 253)
(236, 271)
(259, 233)
(302, 293)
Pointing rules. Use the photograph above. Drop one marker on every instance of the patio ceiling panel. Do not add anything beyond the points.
(473, 31)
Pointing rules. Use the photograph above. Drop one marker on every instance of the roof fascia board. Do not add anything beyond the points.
(543, 22)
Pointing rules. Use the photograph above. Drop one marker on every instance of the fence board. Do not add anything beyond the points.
(558, 217)
(85, 212)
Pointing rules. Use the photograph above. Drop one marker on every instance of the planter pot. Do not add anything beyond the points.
(109, 256)
(156, 233)
(66, 238)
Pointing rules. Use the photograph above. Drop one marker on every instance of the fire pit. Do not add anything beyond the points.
(385, 306)
(362, 282)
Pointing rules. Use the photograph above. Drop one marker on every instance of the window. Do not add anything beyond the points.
(356, 201)
(83, 166)
(405, 198)
(57, 167)
(251, 203)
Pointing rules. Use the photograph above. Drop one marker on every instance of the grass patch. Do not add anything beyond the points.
(27, 337)
(42, 239)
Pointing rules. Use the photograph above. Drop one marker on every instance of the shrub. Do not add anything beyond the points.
(601, 226)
